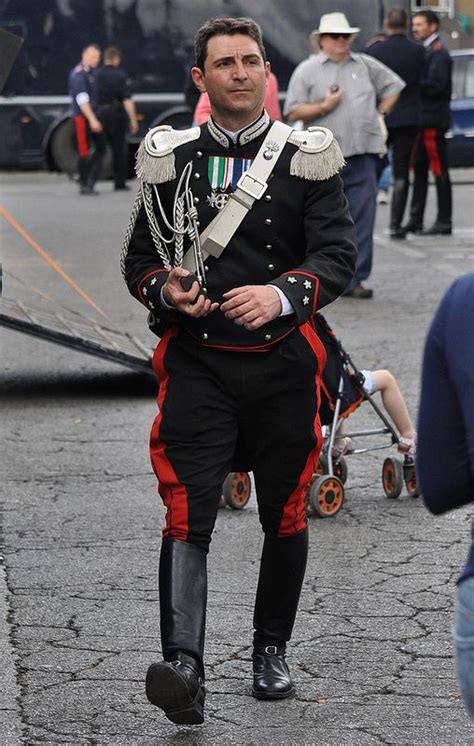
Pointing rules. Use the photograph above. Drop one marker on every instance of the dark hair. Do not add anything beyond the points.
(225, 26)
(397, 18)
(429, 15)
(110, 53)
(92, 44)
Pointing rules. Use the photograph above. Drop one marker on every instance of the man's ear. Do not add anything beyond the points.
(198, 79)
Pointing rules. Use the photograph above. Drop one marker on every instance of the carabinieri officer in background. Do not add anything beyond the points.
(239, 233)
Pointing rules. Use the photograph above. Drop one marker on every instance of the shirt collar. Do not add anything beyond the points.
(427, 42)
(250, 132)
(323, 57)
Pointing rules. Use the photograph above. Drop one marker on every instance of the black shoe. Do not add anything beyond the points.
(178, 690)
(397, 234)
(271, 677)
(412, 227)
(88, 190)
(438, 229)
(359, 291)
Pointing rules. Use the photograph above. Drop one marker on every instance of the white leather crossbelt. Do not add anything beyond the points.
(250, 187)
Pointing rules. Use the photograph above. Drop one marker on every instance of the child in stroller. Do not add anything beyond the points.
(343, 389)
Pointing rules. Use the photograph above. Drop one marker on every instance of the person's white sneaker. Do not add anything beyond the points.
(382, 197)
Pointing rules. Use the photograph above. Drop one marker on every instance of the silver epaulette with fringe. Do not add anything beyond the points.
(318, 156)
(155, 157)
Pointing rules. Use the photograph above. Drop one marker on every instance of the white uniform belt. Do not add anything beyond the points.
(250, 187)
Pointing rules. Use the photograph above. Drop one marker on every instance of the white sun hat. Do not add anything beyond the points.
(335, 23)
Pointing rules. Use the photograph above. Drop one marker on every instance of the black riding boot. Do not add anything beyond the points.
(397, 208)
(282, 569)
(442, 225)
(417, 207)
(177, 684)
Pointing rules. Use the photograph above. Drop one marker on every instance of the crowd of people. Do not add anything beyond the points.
(242, 229)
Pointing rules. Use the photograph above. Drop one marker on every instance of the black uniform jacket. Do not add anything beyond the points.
(407, 59)
(436, 88)
(299, 236)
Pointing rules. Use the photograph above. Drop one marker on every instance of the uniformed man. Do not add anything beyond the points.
(431, 148)
(238, 363)
(90, 143)
(116, 111)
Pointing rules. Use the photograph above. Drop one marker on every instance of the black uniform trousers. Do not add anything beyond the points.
(431, 154)
(222, 410)
(91, 149)
(402, 142)
(114, 121)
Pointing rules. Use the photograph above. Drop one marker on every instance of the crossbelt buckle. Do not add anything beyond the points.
(252, 186)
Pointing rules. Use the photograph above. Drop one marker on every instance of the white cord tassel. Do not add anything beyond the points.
(317, 166)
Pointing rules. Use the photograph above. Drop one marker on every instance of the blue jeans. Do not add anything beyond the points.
(360, 188)
(463, 634)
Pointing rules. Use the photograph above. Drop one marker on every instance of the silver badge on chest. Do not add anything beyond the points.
(217, 199)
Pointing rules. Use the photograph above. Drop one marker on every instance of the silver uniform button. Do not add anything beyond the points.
(199, 154)
(204, 336)
(268, 198)
(206, 268)
(268, 337)
(268, 221)
(269, 246)
(271, 267)
(196, 200)
(197, 176)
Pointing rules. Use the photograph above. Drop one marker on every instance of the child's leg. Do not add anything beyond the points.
(393, 402)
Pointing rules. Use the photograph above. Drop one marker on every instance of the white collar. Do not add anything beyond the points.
(427, 42)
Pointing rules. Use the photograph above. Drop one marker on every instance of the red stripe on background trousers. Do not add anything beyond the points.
(81, 136)
(429, 139)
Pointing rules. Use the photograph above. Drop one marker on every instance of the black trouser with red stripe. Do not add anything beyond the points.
(212, 401)
(431, 155)
(91, 149)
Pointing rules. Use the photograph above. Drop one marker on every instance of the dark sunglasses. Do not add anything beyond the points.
(339, 36)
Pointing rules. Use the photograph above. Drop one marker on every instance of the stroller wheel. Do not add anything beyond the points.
(392, 477)
(339, 467)
(409, 475)
(326, 496)
(236, 489)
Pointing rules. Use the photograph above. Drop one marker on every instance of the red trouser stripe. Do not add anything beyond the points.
(81, 135)
(294, 512)
(429, 138)
(173, 493)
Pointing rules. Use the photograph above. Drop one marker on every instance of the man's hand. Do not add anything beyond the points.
(252, 306)
(183, 301)
(332, 99)
(95, 125)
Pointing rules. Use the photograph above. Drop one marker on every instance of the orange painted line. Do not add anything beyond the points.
(49, 260)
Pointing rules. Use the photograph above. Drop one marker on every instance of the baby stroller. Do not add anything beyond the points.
(342, 393)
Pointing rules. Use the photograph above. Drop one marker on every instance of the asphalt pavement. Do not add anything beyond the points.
(371, 653)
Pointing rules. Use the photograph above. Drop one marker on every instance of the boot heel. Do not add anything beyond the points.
(172, 690)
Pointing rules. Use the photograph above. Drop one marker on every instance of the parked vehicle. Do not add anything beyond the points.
(461, 134)
(156, 39)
